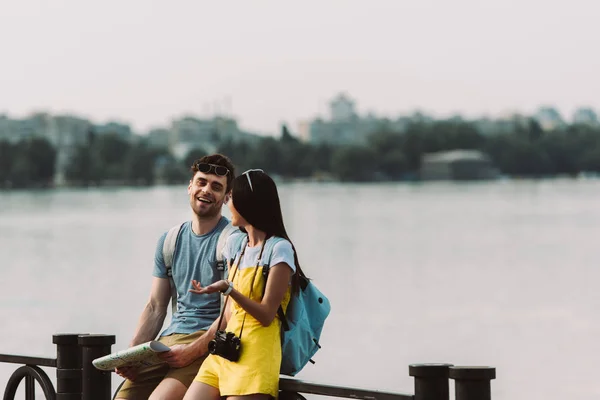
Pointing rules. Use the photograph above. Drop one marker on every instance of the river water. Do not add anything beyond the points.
(502, 273)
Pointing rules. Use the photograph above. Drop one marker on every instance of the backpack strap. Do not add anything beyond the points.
(168, 253)
(221, 262)
(223, 236)
(266, 264)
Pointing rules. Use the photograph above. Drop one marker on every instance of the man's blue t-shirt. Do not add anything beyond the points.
(194, 258)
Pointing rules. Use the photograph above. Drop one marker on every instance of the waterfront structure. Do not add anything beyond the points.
(457, 165)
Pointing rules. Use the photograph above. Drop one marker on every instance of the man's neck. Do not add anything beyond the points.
(201, 226)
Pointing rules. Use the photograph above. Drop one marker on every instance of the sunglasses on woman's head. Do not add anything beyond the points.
(247, 173)
(219, 170)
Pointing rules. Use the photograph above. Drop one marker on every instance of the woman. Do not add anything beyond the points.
(251, 309)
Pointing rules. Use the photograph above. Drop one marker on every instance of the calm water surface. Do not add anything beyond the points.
(502, 274)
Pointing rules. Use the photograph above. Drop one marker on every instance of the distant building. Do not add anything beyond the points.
(345, 126)
(304, 131)
(63, 132)
(457, 165)
(158, 138)
(585, 116)
(8, 129)
(338, 133)
(342, 109)
(505, 124)
(15, 130)
(342, 127)
(189, 133)
(66, 133)
(549, 118)
(116, 128)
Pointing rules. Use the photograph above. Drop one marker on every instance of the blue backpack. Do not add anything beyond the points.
(303, 321)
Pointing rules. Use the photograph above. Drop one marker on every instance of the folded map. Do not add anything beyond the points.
(144, 354)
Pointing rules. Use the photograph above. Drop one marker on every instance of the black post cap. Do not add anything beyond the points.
(66, 338)
(96, 340)
(473, 373)
(429, 370)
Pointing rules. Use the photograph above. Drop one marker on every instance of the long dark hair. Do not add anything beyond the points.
(259, 205)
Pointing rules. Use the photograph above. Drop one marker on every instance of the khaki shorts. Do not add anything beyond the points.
(149, 378)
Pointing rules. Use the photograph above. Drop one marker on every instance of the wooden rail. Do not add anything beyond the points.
(77, 379)
(297, 386)
(42, 362)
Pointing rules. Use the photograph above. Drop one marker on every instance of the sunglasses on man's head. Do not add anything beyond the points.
(247, 173)
(219, 170)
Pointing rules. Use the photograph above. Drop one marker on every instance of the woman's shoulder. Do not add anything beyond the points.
(280, 243)
(283, 252)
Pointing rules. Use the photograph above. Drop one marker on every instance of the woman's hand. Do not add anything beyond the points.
(219, 286)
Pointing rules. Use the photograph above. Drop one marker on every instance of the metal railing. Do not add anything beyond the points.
(77, 379)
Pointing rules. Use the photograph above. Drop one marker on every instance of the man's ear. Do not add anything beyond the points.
(227, 197)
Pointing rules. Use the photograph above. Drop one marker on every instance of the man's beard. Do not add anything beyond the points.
(213, 211)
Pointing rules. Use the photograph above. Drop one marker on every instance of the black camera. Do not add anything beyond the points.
(226, 345)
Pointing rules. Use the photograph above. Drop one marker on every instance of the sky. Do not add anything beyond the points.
(268, 62)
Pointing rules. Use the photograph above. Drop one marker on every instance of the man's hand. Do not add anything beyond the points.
(180, 355)
(127, 372)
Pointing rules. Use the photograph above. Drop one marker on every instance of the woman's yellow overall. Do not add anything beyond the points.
(257, 370)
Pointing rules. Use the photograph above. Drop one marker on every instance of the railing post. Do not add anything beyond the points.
(431, 381)
(68, 366)
(472, 383)
(96, 383)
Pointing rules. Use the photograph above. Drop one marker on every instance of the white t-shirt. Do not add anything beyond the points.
(282, 252)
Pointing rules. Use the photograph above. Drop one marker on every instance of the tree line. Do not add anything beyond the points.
(526, 151)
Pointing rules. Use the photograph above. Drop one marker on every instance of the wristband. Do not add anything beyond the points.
(229, 289)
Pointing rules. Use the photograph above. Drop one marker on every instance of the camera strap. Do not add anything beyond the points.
(237, 267)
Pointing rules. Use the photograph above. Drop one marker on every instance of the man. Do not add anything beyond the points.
(193, 324)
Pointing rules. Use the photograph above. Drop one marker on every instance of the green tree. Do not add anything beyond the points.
(42, 158)
(192, 156)
(286, 136)
(111, 149)
(354, 164)
(321, 158)
(393, 164)
(241, 153)
(391, 159)
(268, 156)
(141, 165)
(590, 161)
(7, 153)
(33, 164)
(413, 145)
(83, 168)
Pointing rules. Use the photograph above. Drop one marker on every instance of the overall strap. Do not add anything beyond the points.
(240, 244)
(238, 241)
(237, 267)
